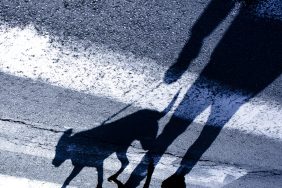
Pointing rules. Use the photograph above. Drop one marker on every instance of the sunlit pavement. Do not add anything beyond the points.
(76, 64)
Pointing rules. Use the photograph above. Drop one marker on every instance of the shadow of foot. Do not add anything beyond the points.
(115, 180)
(174, 181)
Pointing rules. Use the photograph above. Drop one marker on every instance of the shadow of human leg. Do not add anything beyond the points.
(195, 101)
(150, 171)
(176, 180)
(172, 130)
(192, 156)
(219, 116)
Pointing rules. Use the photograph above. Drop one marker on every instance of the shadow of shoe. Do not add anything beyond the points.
(116, 181)
(174, 181)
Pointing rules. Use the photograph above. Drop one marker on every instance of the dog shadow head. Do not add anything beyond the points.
(63, 149)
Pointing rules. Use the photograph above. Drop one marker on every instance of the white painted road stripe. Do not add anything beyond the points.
(122, 77)
(202, 174)
(14, 182)
(42, 145)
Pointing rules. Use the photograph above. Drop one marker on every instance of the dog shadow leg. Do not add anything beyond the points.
(76, 170)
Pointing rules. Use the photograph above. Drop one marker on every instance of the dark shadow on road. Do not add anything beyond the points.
(90, 148)
(246, 60)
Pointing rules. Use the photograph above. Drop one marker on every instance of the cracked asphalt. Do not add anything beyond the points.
(74, 64)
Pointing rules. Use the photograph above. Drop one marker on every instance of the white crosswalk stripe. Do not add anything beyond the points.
(13, 182)
(98, 71)
(216, 174)
(125, 78)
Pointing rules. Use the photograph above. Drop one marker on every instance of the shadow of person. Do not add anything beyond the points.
(91, 147)
(246, 60)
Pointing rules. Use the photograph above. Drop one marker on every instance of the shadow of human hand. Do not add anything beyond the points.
(189, 52)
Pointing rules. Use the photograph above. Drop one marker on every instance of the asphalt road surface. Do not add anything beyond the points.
(106, 68)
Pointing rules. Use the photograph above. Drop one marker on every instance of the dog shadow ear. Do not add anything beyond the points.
(68, 132)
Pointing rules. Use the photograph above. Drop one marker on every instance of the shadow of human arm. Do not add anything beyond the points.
(216, 11)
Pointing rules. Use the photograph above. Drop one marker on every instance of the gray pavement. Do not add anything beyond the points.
(30, 131)
(72, 64)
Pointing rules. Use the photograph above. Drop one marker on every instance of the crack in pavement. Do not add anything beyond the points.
(30, 125)
(266, 173)
(136, 150)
